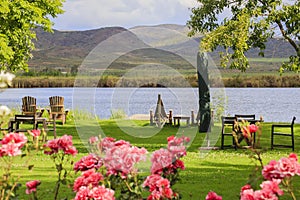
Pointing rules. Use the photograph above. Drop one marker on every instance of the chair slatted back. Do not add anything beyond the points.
(57, 108)
(57, 104)
(29, 105)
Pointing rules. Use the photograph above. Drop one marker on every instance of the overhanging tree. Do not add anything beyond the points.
(18, 19)
(249, 25)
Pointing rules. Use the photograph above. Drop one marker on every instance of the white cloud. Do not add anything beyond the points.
(89, 14)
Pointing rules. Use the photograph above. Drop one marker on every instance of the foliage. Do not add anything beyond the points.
(250, 25)
(118, 114)
(17, 21)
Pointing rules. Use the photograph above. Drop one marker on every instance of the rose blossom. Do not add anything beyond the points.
(64, 144)
(101, 193)
(213, 196)
(106, 143)
(269, 190)
(35, 133)
(18, 138)
(88, 162)
(284, 167)
(82, 193)
(160, 159)
(151, 181)
(31, 186)
(12, 144)
(93, 140)
(88, 178)
(176, 145)
(159, 187)
(247, 194)
(10, 149)
(123, 158)
(272, 187)
(252, 128)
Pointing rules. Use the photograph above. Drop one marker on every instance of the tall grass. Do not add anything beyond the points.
(228, 80)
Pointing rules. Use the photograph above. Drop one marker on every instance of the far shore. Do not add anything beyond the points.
(256, 81)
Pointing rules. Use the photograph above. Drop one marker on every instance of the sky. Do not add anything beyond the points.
(94, 14)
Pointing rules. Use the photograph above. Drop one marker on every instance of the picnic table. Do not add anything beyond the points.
(177, 119)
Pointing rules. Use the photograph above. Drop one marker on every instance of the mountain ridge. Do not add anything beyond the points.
(65, 50)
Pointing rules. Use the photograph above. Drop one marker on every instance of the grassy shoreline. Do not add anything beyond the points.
(233, 80)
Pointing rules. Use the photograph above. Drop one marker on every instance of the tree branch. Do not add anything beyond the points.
(292, 42)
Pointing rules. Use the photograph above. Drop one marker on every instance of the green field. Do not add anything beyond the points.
(223, 171)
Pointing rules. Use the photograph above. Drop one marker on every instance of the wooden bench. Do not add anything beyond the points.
(179, 117)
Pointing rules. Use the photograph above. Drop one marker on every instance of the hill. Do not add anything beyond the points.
(65, 50)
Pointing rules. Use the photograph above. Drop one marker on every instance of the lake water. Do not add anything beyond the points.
(274, 104)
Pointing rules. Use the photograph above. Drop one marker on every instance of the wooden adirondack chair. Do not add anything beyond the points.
(29, 105)
(57, 109)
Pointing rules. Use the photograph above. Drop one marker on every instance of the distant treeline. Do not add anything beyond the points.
(187, 81)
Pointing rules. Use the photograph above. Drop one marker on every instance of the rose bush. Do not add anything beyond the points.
(276, 177)
(112, 166)
(60, 150)
(10, 146)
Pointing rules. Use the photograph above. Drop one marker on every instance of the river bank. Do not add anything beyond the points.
(190, 81)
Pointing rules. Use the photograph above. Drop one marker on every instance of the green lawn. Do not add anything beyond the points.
(223, 171)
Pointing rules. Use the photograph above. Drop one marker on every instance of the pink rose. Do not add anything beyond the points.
(35, 132)
(293, 156)
(247, 194)
(123, 159)
(71, 151)
(82, 194)
(160, 159)
(272, 187)
(65, 141)
(285, 167)
(269, 171)
(18, 138)
(151, 181)
(31, 186)
(252, 128)
(159, 187)
(106, 143)
(101, 193)
(10, 149)
(93, 140)
(88, 178)
(64, 144)
(88, 162)
(213, 196)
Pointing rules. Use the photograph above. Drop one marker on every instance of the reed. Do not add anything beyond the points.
(235, 80)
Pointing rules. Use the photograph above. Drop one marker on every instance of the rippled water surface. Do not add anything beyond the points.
(274, 104)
